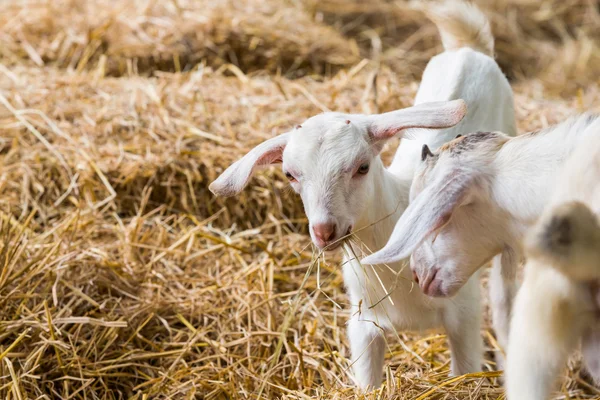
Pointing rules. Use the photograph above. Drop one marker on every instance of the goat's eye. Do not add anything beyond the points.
(363, 169)
(290, 177)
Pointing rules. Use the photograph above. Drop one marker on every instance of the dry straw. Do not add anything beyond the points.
(121, 276)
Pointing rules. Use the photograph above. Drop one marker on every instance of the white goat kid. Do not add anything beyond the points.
(332, 160)
(558, 304)
(475, 198)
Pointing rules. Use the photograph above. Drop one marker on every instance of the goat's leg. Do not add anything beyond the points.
(367, 347)
(590, 347)
(503, 288)
(462, 321)
(545, 329)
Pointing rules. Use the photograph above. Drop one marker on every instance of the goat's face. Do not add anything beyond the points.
(331, 161)
(451, 227)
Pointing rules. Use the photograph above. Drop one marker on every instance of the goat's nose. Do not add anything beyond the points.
(324, 232)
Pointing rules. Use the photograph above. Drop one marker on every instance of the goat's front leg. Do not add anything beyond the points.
(590, 347)
(462, 321)
(367, 347)
(503, 288)
(545, 329)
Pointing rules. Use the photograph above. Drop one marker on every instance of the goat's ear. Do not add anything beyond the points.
(235, 178)
(436, 115)
(430, 210)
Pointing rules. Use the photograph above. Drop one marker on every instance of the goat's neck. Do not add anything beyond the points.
(386, 203)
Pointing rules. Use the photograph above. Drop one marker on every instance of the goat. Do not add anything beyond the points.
(477, 197)
(332, 160)
(558, 303)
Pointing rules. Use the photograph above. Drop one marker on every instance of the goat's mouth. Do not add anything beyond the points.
(435, 284)
(336, 243)
(333, 245)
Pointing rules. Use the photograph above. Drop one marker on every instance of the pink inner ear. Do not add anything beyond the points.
(273, 156)
(388, 132)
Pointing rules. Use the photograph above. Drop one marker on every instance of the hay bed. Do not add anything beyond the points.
(121, 276)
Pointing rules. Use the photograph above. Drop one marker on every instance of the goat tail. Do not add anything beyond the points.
(462, 24)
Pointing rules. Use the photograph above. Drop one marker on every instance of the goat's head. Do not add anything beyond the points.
(450, 227)
(330, 160)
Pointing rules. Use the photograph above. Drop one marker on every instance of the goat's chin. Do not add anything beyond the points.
(450, 289)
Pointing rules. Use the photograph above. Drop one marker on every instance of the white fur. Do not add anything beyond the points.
(477, 197)
(323, 156)
(558, 303)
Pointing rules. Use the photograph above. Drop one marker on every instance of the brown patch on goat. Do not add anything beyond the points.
(558, 233)
(449, 146)
(465, 143)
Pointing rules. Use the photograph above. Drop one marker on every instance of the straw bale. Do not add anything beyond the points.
(139, 36)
